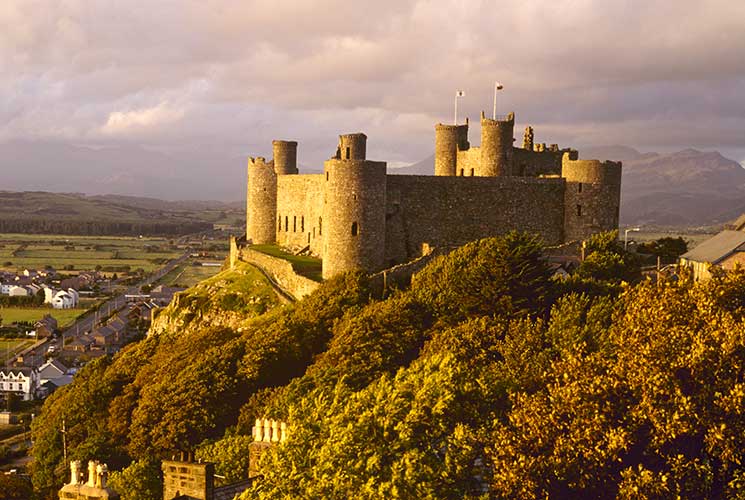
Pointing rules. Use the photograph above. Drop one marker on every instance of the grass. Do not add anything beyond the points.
(31, 314)
(310, 267)
(83, 253)
(187, 275)
(9, 347)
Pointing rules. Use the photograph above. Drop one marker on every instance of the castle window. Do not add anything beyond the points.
(471, 172)
(287, 223)
(302, 225)
(294, 223)
(347, 152)
(579, 210)
(354, 229)
(314, 233)
(279, 223)
(579, 188)
(327, 176)
(461, 172)
(309, 238)
(320, 226)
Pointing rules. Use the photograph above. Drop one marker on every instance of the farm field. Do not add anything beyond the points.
(83, 253)
(8, 347)
(188, 275)
(31, 314)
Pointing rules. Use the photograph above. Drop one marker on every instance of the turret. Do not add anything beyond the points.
(591, 200)
(285, 157)
(449, 139)
(528, 138)
(352, 147)
(261, 202)
(496, 145)
(353, 210)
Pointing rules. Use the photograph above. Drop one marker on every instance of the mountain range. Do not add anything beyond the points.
(684, 188)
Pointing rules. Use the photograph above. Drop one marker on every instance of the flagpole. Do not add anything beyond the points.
(458, 93)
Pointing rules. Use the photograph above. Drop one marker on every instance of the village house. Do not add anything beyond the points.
(65, 299)
(22, 381)
(18, 291)
(726, 250)
(52, 375)
(45, 327)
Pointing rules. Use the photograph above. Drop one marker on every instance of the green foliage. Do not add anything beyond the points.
(138, 481)
(667, 248)
(230, 454)
(14, 487)
(506, 275)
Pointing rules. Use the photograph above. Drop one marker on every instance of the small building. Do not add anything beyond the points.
(725, 250)
(95, 488)
(46, 326)
(65, 299)
(82, 343)
(22, 381)
(18, 291)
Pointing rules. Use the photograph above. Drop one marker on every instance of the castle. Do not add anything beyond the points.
(356, 216)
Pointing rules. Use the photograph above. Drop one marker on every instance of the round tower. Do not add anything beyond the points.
(592, 196)
(261, 202)
(352, 146)
(285, 157)
(496, 145)
(449, 139)
(353, 211)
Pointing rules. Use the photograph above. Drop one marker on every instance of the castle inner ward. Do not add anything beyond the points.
(356, 216)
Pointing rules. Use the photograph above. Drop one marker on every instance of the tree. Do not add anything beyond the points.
(138, 481)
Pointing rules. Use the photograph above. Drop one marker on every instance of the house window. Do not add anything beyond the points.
(354, 229)
(579, 210)
(347, 152)
(579, 188)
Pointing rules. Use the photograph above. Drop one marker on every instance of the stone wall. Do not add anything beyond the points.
(194, 480)
(445, 212)
(261, 201)
(399, 276)
(299, 211)
(281, 272)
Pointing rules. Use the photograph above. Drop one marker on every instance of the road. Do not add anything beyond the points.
(90, 321)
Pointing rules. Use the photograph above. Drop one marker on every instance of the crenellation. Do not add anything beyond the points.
(355, 216)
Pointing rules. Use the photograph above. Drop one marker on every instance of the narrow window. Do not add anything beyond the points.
(347, 152)
(294, 223)
(302, 225)
(354, 197)
(461, 172)
(308, 238)
(579, 210)
(320, 226)
(354, 229)
(279, 223)
(314, 233)
(327, 176)
(471, 172)
(579, 188)
(287, 223)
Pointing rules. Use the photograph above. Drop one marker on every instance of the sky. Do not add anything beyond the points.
(229, 76)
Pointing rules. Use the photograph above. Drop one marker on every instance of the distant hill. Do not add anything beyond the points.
(73, 213)
(686, 188)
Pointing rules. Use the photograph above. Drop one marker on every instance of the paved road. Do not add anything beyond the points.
(89, 322)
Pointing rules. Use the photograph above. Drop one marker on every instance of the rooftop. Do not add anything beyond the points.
(717, 247)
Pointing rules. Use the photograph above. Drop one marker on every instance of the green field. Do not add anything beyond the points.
(83, 253)
(187, 275)
(8, 347)
(310, 267)
(31, 314)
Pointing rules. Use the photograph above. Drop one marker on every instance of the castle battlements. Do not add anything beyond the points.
(356, 216)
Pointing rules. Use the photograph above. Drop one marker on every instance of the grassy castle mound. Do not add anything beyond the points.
(487, 378)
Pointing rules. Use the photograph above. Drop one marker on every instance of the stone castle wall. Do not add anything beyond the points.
(281, 272)
(445, 212)
(300, 211)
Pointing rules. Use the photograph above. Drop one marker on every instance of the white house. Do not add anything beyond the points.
(18, 291)
(65, 299)
(23, 382)
(48, 295)
(5, 288)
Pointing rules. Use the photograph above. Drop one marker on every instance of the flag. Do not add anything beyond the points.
(499, 86)
(459, 93)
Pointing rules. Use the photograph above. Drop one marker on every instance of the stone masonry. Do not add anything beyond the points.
(355, 216)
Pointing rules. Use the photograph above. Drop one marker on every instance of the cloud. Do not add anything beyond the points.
(141, 120)
(223, 75)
